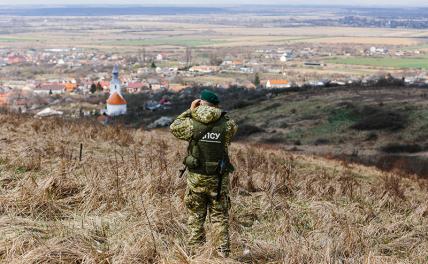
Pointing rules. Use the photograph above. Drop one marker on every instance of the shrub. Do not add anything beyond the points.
(241, 104)
(393, 185)
(247, 130)
(274, 139)
(372, 136)
(374, 119)
(272, 106)
(402, 148)
(321, 141)
(283, 125)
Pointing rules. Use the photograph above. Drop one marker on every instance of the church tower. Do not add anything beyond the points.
(116, 104)
(115, 82)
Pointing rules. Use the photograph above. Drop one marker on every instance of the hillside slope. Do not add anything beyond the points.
(123, 202)
(379, 125)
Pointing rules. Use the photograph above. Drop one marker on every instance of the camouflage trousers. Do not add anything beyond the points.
(200, 200)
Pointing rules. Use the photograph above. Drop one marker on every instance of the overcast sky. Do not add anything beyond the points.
(222, 2)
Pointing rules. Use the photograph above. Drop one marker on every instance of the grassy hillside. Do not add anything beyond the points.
(123, 202)
(360, 122)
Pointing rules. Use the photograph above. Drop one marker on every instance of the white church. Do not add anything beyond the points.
(116, 104)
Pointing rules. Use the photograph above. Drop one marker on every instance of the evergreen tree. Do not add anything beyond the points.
(93, 88)
(153, 65)
(257, 80)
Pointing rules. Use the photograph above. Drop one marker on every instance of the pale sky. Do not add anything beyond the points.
(222, 2)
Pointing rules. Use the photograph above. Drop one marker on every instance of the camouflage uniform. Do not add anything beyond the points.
(201, 189)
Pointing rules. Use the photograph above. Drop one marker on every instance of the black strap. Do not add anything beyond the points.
(220, 175)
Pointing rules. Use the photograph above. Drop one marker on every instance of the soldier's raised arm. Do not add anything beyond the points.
(231, 129)
(182, 127)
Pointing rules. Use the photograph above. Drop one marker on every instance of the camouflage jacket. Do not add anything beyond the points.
(182, 128)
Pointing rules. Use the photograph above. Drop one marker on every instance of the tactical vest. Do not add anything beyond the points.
(207, 147)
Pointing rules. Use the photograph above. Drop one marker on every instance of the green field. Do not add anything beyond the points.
(299, 39)
(420, 62)
(5, 40)
(164, 41)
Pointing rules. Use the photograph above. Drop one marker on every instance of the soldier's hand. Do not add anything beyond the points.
(195, 104)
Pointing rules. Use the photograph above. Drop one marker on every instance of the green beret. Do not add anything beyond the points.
(210, 97)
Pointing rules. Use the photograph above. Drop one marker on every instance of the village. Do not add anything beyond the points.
(33, 79)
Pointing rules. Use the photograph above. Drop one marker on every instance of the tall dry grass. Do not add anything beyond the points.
(123, 202)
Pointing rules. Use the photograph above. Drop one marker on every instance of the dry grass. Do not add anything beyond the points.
(123, 202)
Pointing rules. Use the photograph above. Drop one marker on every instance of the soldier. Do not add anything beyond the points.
(209, 132)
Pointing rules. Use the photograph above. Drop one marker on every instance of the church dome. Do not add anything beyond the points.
(116, 99)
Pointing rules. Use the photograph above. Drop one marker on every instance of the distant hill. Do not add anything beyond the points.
(106, 11)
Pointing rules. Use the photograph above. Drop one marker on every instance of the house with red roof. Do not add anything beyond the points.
(105, 85)
(277, 84)
(136, 87)
(16, 59)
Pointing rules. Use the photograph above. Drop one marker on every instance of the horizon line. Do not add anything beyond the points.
(386, 6)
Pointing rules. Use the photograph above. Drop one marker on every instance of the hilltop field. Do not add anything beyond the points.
(122, 203)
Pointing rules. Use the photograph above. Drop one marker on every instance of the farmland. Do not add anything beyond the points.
(419, 62)
(153, 31)
(186, 42)
(14, 40)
